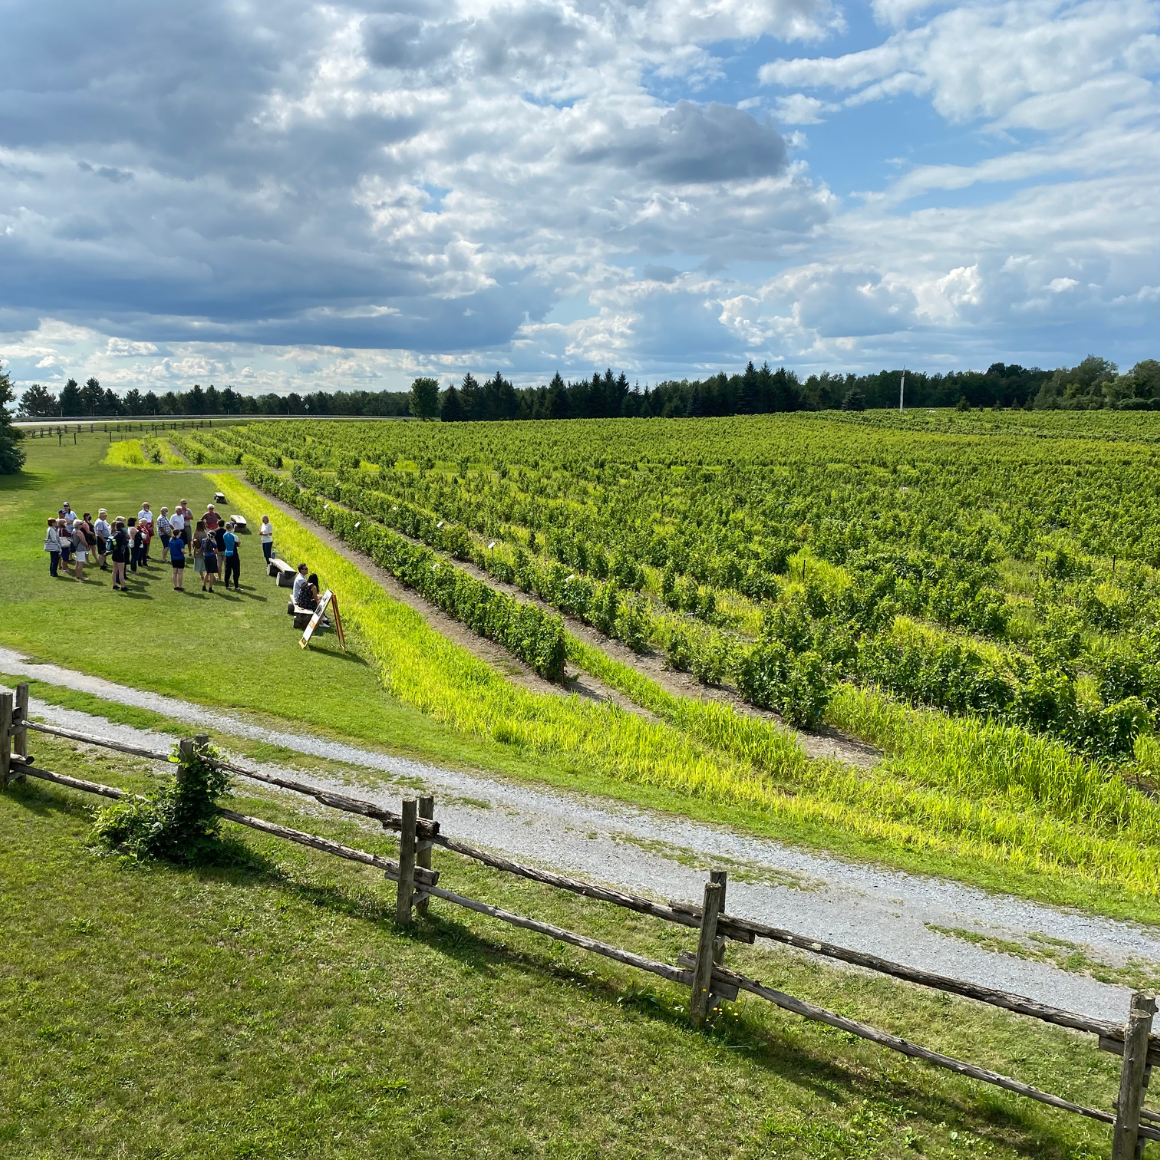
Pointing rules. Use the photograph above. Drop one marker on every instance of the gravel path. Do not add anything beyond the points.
(882, 911)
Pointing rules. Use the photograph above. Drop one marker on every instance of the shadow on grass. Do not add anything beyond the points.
(994, 1118)
(780, 1051)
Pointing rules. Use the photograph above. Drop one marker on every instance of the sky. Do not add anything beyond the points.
(298, 196)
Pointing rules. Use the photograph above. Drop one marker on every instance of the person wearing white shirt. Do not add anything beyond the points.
(103, 530)
(145, 522)
(266, 534)
(299, 582)
(177, 523)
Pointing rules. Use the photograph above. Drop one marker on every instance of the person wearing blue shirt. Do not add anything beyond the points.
(233, 563)
(176, 549)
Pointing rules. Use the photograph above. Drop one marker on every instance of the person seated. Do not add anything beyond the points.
(311, 596)
(300, 582)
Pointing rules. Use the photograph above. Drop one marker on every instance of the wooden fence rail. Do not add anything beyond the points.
(703, 971)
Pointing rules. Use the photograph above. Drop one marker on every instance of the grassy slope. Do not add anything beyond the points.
(271, 1008)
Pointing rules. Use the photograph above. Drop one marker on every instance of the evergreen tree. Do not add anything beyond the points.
(38, 403)
(749, 399)
(92, 398)
(11, 457)
(471, 401)
(70, 399)
(557, 398)
(449, 409)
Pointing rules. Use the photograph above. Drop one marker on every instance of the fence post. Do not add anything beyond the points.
(1133, 1071)
(185, 749)
(406, 862)
(706, 944)
(721, 876)
(423, 848)
(20, 724)
(5, 736)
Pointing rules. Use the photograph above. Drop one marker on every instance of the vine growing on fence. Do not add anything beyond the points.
(179, 822)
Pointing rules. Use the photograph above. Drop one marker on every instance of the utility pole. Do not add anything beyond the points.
(901, 390)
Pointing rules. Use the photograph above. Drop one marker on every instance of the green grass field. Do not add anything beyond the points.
(269, 1007)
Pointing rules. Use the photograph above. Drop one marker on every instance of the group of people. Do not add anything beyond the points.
(211, 541)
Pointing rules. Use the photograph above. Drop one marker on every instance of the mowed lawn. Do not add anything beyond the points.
(269, 1007)
(234, 650)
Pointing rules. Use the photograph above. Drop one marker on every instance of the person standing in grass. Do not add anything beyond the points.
(52, 546)
(120, 554)
(163, 529)
(145, 523)
(176, 549)
(65, 532)
(198, 550)
(266, 533)
(102, 531)
(177, 525)
(209, 551)
(83, 544)
(230, 551)
(134, 544)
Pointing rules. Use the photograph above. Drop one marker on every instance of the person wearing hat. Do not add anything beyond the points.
(103, 531)
(62, 526)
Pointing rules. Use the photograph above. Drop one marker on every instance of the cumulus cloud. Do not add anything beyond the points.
(363, 190)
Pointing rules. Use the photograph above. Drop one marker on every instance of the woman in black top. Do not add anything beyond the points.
(120, 554)
(209, 551)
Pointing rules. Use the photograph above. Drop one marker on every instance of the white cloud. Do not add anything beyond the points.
(984, 60)
(354, 193)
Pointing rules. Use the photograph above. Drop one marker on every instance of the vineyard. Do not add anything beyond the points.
(975, 593)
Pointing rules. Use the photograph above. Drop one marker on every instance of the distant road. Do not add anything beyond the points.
(103, 422)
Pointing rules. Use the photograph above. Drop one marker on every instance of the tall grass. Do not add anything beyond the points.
(126, 453)
(971, 756)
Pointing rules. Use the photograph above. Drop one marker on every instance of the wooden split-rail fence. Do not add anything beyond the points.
(703, 971)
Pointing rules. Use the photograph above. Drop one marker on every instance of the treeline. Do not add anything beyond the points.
(38, 402)
(1093, 383)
